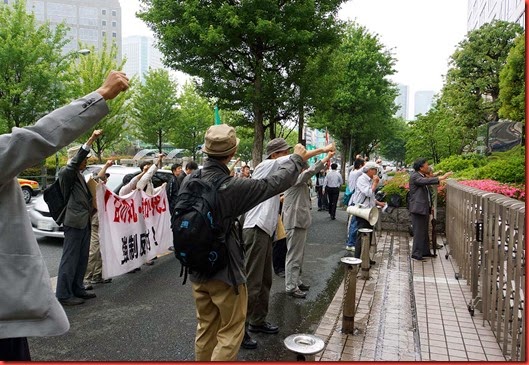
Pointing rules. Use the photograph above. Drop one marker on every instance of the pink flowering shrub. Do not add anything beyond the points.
(515, 191)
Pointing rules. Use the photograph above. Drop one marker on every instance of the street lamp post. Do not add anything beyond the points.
(83, 52)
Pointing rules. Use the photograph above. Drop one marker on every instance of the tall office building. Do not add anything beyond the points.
(423, 102)
(90, 21)
(141, 54)
(402, 101)
(485, 11)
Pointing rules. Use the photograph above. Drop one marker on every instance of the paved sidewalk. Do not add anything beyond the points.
(408, 311)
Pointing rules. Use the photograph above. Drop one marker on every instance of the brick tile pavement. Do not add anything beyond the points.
(408, 311)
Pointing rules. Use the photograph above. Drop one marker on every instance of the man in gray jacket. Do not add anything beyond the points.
(27, 304)
(297, 219)
(77, 227)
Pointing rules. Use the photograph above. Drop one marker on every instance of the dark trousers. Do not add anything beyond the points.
(74, 260)
(421, 241)
(279, 253)
(322, 198)
(14, 349)
(361, 223)
(333, 200)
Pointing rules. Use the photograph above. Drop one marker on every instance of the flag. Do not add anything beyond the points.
(217, 116)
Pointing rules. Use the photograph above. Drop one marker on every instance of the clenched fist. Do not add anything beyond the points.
(115, 83)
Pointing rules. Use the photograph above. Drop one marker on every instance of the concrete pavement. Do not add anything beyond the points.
(408, 311)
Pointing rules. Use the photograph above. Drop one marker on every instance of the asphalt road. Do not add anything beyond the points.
(150, 315)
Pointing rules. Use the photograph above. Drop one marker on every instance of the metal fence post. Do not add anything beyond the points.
(366, 233)
(349, 297)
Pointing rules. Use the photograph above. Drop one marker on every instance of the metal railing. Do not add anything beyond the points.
(486, 235)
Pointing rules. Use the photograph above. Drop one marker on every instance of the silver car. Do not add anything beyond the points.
(44, 225)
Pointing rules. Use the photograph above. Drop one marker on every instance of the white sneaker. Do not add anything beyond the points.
(384, 210)
(349, 248)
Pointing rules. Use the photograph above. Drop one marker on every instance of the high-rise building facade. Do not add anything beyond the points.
(402, 101)
(90, 21)
(423, 102)
(485, 11)
(141, 54)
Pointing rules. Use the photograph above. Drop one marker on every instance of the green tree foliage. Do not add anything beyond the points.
(512, 83)
(249, 55)
(195, 116)
(31, 65)
(359, 99)
(393, 145)
(473, 81)
(154, 108)
(91, 72)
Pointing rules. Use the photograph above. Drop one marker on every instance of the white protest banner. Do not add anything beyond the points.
(132, 229)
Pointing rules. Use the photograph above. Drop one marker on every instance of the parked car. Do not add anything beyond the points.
(44, 225)
(29, 188)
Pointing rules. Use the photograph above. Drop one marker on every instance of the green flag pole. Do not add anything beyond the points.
(217, 116)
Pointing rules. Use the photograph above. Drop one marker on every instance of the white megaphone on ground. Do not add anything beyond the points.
(369, 214)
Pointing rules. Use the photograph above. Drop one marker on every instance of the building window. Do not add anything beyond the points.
(103, 11)
(104, 23)
(114, 23)
(104, 34)
(114, 13)
(114, 34)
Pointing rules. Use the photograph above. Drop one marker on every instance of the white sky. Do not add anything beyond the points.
(421, 33)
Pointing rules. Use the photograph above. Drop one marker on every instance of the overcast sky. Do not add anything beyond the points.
(421, 33)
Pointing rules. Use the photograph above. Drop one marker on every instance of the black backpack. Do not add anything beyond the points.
(56, 201)
(198, 238)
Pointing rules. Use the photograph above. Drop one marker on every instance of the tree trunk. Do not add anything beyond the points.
(301, 123)
(257, 151)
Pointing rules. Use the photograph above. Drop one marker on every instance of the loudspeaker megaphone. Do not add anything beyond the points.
(369, 214)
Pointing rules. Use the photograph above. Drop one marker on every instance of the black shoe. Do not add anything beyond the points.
(296, 293)
(266, 327)
(429, 255)
(439, 247)
(248, 343)
(100, 281)
(71, 301)
(88, 287)
(85, 295)
(303, 287)
(333, 218)
(371, 262)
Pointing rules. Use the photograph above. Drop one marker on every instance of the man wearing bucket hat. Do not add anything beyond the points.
(221, 312)
(258, 232)
(364, 196)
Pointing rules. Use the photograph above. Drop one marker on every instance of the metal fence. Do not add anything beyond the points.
(486, 235)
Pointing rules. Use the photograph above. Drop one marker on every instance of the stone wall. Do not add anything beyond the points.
(399, 220)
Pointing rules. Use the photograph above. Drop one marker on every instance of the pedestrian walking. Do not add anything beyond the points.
(331, 185)
(351, 181)
(323, 201)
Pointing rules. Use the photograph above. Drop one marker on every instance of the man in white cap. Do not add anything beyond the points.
(27, 303)
(258, 232)
(221, 300)
(364, 195)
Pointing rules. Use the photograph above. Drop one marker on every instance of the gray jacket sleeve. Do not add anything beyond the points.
(51, 133)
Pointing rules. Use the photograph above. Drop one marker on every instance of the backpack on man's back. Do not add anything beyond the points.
(198, 238)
